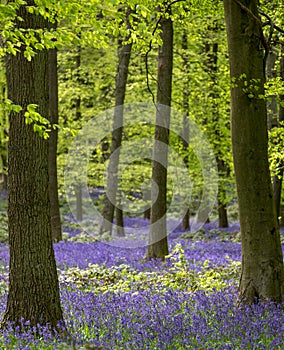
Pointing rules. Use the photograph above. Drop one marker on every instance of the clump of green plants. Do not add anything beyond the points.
(176, 275)
(3, 227)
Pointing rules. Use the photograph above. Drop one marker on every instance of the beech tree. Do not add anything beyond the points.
(185, 101)
(110, 200)
(211, 67)
(158, 244)
(33, 283)
(262, 260)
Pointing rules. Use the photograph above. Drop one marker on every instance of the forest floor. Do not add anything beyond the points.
(113, 298)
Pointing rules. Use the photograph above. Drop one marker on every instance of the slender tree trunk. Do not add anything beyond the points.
(147, 214)
(119, 216)
(79, 203)
(272, 117)
(262, 261)
(53, 137)
(78, 116)
(211, 50)
(186, 94)
(222, 205)
(158, 244)
(33, 283)
(124, 52)
(5, 166)
(278, 179)
(3, 145)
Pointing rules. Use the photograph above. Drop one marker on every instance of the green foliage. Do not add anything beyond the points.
(273, 87)
(275, 149)
(3, 227)
(41, 125)
(123, 278)
(8, 106)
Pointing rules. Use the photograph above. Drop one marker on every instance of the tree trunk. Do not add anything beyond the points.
(147, 214)
(186, 94)
(262, 261)
(271, 105)
(158, 244)
(4, 173)
(222, 205)
(78, 117)
(278, 179)
(33, 283)
(211, 50)
(79, 202)
(119, 216)
(3, 138)
(124, 52)
(53, 137)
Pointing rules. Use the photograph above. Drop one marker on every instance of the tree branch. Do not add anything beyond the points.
(270, 21)
(259, 23)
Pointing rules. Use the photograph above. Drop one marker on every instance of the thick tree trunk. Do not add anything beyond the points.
(158, 244)
(33, 283)
(53, 137)
(262, 261)
(124, 52)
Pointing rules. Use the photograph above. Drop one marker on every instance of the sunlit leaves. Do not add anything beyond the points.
(41, 125)
(176, 276)
(275, 149)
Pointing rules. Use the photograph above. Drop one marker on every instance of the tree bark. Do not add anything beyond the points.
(33, 283)
(124, 53)
(262, 261)
(53, 138)
(158, 244)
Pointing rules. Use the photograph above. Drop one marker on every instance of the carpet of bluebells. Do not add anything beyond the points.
(113, 298)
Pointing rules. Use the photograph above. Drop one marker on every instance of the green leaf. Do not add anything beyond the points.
(16, 108)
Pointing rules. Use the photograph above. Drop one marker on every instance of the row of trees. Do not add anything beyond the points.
(29, 41)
